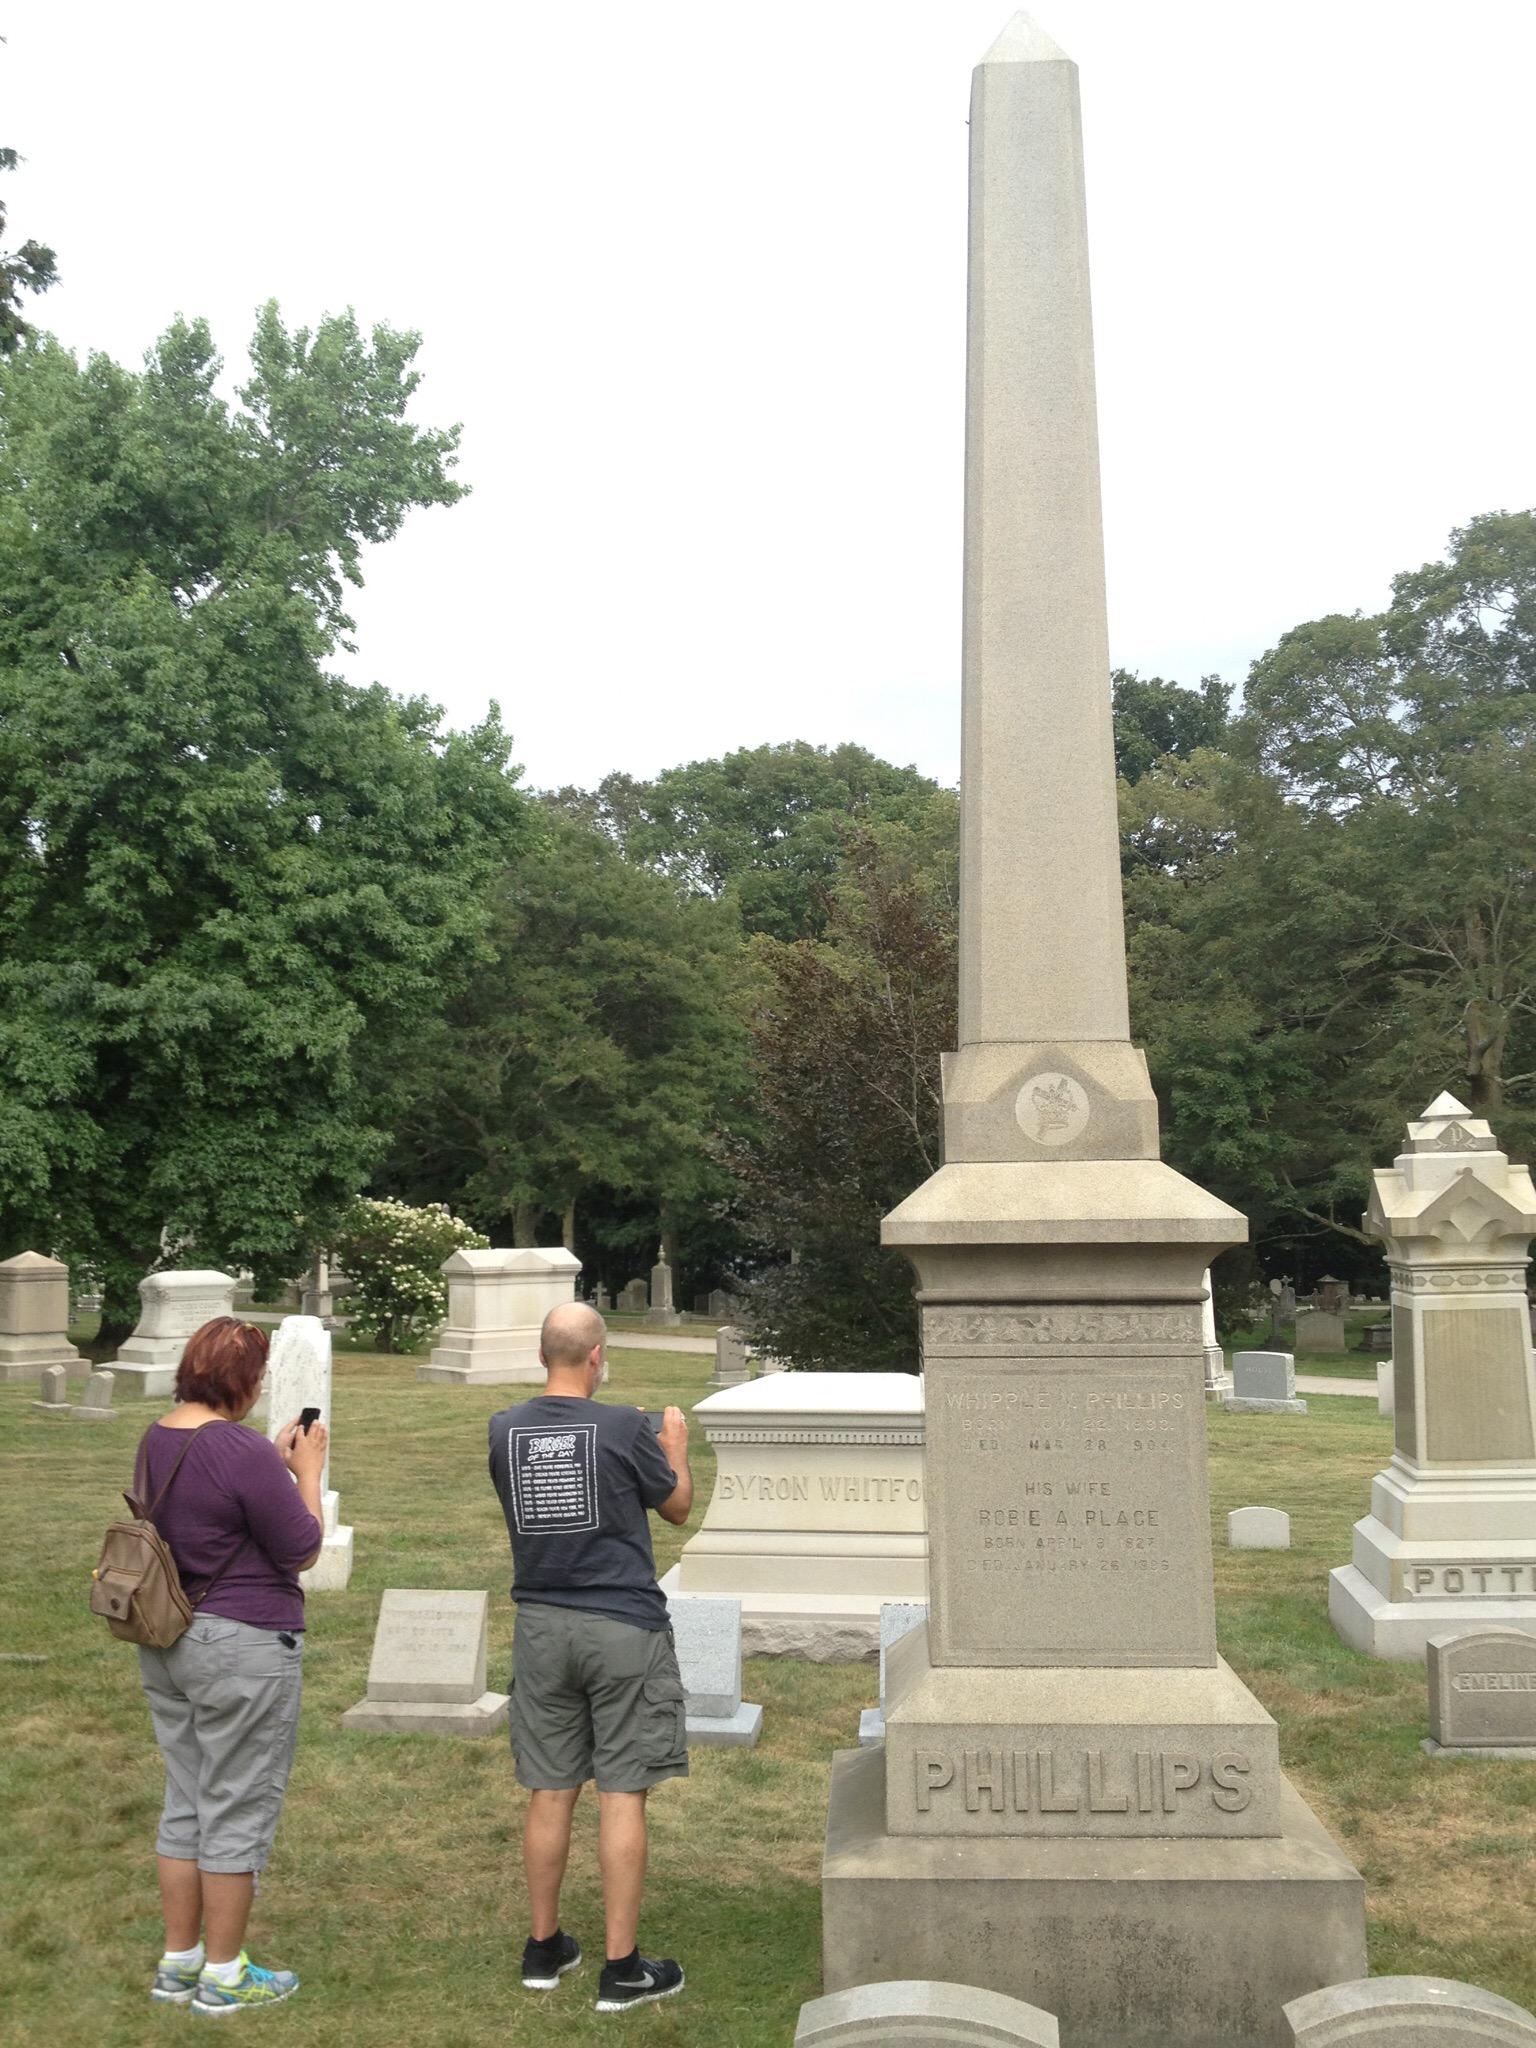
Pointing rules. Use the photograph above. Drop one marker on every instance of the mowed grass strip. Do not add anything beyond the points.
(396, 1888)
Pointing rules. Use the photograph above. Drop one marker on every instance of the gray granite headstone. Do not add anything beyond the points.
(707, 1631)
(1406, 2012)
(898, 1618)
(733, 1365)
(54, 1391)
(923, 2015)
(1263, 1383)
(634, 1298)
(95, 1404)
(1482, 1693)
(1258, 1529)
(427, 1673)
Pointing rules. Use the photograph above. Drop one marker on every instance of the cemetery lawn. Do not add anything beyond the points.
(395, 1889)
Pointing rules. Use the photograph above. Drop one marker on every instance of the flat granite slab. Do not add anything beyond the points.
(726, 1731)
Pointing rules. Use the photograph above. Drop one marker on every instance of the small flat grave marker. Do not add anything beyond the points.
(427, 1674)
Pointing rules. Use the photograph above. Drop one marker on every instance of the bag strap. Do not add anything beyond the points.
(135, 1499)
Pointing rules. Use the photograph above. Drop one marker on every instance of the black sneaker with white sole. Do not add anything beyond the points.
(638, 1980)
(546, 1962)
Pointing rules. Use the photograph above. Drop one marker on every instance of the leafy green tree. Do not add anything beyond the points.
(222, 870)
(597, 1046)
(847, 1033)
(765, 825)
(29, 267)
(1155, 719)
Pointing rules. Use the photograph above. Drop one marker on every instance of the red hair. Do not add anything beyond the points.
(222, 1364)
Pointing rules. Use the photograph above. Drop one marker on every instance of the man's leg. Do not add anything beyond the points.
(621, 1850)
(546, 1846)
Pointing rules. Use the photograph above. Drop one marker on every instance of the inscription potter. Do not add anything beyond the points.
(1081, 1781)
(1464, 1581)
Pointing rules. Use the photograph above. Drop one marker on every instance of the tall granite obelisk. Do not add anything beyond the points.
(1077, 1802)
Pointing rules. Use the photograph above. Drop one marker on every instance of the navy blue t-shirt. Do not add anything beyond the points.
(576, 1479)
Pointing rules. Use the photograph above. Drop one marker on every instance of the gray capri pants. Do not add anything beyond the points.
(224, 1701)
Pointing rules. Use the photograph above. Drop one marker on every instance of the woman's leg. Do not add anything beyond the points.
(227, 1899)
(181, 1901)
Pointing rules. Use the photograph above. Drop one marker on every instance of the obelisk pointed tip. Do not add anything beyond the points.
(1024, 41)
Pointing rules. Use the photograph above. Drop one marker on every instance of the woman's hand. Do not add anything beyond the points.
(304, 1455)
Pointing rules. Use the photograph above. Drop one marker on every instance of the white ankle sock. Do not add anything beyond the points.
(225, 1973)
(185, 1958)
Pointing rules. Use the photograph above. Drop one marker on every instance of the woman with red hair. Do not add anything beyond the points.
(224, 1698)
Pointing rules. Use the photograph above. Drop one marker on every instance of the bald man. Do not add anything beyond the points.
(595, 1685)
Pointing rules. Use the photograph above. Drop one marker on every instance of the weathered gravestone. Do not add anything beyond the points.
(1386, 1387)
(427, 1675)
(602, 1301)
(1482, 1694)
(1406, 2012)
(497, 1302)
(707, 1631)
(1077, 1802)
(717, 1303)
(1263, 1383)
(1450, 1541)
(1282, 1316)
(298, 1376)
(316, 1298)
(633, 1298)
(174, 1306)
(817, 1513)
(1259, 1529)
(1318, 1330)
(54, 1391)
(733, 1366)
(898, 1618)
(95, 1404)
(923, 2015)
(34, 1316)
(661, 1308)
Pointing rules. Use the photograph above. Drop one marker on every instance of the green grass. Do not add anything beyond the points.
(396, 1889)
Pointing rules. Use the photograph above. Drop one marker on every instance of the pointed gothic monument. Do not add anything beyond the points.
(1077, 1802)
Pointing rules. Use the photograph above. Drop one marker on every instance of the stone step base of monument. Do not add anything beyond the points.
(82, 1413)
(1251, 1404)
(726, 1731)
(132, 1378)
(1509, 1754)
(1398, 1631)
(871, 1727)
(1132, 1944)
(28, 1364)
(428, 1717)
(514, 1374)
(823, 1628)
(331, 1571)
(54, 1407)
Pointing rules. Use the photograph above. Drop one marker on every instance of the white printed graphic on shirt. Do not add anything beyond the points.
(554, 1479)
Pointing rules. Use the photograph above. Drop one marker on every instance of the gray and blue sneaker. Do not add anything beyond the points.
(637, 1980)
(252, 1987)
(546, 1962)
(173, 1984)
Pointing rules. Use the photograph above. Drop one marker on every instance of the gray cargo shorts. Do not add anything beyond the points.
(594, 1698)
(224, 1700)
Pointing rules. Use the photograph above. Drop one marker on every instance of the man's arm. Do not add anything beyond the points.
(673, 1439)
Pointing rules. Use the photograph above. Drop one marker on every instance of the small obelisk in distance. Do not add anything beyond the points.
(1077, 1802)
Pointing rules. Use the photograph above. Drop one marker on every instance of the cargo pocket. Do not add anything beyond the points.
(663, 1737)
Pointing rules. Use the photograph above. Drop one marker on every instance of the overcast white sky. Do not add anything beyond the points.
(692, 277)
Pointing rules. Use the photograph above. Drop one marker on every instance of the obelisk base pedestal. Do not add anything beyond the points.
(1132, 1944)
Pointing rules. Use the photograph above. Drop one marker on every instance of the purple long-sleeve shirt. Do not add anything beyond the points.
(233, 1498)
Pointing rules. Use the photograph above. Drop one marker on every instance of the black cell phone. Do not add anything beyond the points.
(656, 1417)
(306, 1417)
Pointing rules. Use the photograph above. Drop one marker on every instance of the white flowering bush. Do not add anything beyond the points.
(391, 1253)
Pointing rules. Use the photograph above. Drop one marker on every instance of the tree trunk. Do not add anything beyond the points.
(1486, 1027)
(525, 1222)
(568, 1226)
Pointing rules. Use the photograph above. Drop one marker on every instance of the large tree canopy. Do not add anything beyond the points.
(765, 825)
(221, 868)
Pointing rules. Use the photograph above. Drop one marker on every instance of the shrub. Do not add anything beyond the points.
(392, 1254)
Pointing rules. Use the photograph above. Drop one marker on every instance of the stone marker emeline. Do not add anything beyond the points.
(1066, 1694)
